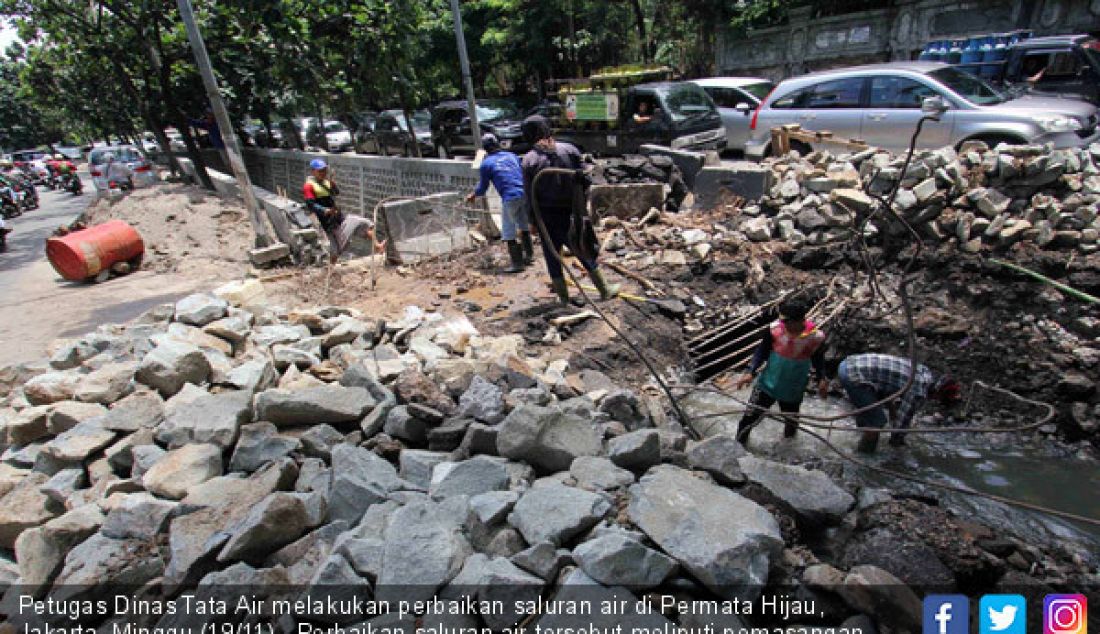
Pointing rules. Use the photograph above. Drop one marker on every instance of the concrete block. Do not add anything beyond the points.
(267, 255)
(716, 184)
(627, 200)
(689, 162)
(307, 236)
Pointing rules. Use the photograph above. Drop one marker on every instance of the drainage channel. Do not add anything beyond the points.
(730, 345)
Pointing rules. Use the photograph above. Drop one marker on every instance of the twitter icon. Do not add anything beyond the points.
(1002, 614)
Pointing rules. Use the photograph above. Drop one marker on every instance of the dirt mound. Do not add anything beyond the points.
(187, 230)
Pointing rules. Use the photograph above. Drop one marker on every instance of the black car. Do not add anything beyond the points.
(451, 133)
(390, 135)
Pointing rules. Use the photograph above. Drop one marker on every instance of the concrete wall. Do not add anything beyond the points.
(898, 31)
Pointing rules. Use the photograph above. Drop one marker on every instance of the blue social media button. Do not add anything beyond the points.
(946, 614)
(1002, 614)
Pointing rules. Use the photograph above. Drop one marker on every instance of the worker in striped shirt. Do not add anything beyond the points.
(869, 378)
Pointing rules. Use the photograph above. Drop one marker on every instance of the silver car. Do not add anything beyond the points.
(736, 98)
(881, 104)
(144, 172)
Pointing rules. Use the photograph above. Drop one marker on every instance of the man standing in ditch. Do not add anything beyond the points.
(790, 347)
(320, 194)
(503, 170)
(869, 378)
(555, 203)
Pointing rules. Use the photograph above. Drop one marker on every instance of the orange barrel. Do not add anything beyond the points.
(84, 254)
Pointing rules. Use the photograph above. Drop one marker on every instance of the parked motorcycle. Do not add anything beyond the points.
(9, 203)
(4, 231)
(71, 183)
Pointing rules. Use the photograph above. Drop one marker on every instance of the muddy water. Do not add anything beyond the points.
(1024, 467)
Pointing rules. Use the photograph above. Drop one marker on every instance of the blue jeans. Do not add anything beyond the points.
(513, 218)
(861, 395)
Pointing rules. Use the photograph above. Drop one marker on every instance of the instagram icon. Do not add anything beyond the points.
(1065, 614)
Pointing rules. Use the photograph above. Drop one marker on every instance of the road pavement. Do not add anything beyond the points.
(38, 306)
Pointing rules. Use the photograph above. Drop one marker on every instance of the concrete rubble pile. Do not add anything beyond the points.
(207, 444)
(977, 199)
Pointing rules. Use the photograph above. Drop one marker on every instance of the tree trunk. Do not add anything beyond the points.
(299, 143)
(321, 124)
(265, 120)
(193, 151)
(639, 23)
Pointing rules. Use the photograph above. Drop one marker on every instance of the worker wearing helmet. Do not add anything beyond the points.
(320, 193)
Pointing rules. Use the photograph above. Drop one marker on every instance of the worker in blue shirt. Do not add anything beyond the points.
(502, 168)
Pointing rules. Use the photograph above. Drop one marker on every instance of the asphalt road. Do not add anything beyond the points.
(37, 306)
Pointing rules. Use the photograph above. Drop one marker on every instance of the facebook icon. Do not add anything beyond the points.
(946, 614)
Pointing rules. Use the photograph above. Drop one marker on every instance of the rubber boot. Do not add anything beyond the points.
(897, 440)
(528, 247)
(560, 289)
(790, 428)
(515, 254)
(868, 442)
(607, 291)
(743, 430)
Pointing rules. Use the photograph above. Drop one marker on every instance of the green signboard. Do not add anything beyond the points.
(592, 106)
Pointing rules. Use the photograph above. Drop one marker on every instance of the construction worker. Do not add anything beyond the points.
(555, 203)
(64, 165)
(502, 169)
(791, 345)
(320, 195)
(869, 378)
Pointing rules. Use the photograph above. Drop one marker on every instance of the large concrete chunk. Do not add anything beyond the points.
(212, 418)
(179, 470)
(273, 523)
(546, 438)
(628, 200)
(556, 513)
(359, 479)
(167, 367)
(618, 560)
(811, 495)
(717, 185)
(323, 404)
(724, 540)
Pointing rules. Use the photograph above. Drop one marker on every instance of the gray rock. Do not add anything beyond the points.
(598, 473)
(234, 328)
(325, 404)
(259, 444)
(79, 443)
(469, 477)
(63, 484)
(479, 440)
(359, 479)
(25, 506)
(175, 473)
(68, 414)
(100, 561)
(212, 418)
(138, 516)
(449, 435)
(689, 519)
(253, 376)
(167, 367)
(275, 522)
(617, 560)
(757, 229)
(144, 457)
(106, 384)
(270, 335)
(365, 554)
(403, 425)
(625, 407)
(319, 440)
(482, 401)
(313, 475)
(546, 438)
(51, 387)
(543, 560)
(200, 309)
(417, 465)
(136, 411)
(637, 450)
(877, 593)
(557, 513)
(497, 579)
(811, 495)
(28, 426)
(73, 353)
(41, 551)
(493, 506)
(718, 456)
(423, 551)
(286, 355)
(578, 587)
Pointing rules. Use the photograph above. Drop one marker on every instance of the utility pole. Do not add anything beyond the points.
(464, 62)
(232, 149)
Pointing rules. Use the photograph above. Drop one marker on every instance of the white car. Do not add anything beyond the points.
(144, 172)
(736, 98)
(338, 136)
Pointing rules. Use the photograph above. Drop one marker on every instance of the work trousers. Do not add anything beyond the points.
(861, 395)
(753, 415)
(513, 218)
(557, 225)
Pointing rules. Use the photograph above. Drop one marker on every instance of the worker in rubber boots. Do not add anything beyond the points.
(320, 195)
(555, 199)
(869, 378)
(503, 170)
(790, 346)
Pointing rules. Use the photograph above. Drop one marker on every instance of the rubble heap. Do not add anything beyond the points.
(208, 444)
(977, 199)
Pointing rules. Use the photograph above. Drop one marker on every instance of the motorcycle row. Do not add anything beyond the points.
(19, 188)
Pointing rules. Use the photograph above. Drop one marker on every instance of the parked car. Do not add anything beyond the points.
(34, 163)
(390, 135)
(451, 131)
(736, 98)
(70, 152)
(338, 136)
(881, 104)
(144, 174)
(552, 110)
